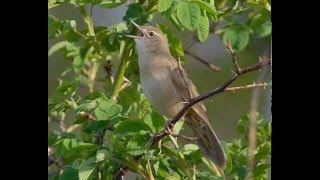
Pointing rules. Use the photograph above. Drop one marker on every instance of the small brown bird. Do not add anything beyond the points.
(167, 86)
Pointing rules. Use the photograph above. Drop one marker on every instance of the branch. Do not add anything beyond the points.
(211, 66)
(246, 86)
(155, 139)
(121, 70)
(233, 54)
(80, 34)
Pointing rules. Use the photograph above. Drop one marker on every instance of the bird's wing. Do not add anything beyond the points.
(186, 88)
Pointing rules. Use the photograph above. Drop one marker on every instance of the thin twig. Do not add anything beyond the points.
(60, 122)
(210, 65)
(246, 87)
(150, 170)
(155, 139)
(80, 34)
(234, 58)
(184, 137)
(88, 116)
(72, 127)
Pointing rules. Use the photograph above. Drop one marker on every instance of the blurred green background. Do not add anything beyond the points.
(224, 109)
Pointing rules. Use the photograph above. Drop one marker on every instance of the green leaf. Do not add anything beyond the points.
(242, 172)
(164, 5)
(102, 155)
(206, 175)
(189, 148)
(96, 95)
(70, 35)
(85, 168)
(67, 135)
(116, 144)
(107, 110)
(56, 47)
(52, 137)
(103, 34)
(174, 176)
(229, 165)
(64, 91)
(69, 24)
(238, 35)
(90, 1)
(69, 174)
(52, 3)
(263, 30)
(167, 13)
(207, 7)
(263, 151)
(134, 11)
(155, 121)
(261, 169)
(54, 27)
(67, 145)
(91, 101)
(259, 19)
(131, 126)
(145, 106)
(203, 28)
(94, 127)
(242, 124)
(53, 175)
(111, 3)
(77, 63)
(136, 144)
(188, 15)
(178, 126)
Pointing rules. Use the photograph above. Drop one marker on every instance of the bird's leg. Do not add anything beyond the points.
(152, 139)
(168, 127)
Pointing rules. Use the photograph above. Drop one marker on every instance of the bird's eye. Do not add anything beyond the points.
(151, 33)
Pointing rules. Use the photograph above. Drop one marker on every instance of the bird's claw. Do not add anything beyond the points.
(168, 127)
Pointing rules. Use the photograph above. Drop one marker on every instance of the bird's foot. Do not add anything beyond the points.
(168, 127)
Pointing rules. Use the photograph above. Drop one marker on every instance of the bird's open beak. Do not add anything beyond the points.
(139, 29)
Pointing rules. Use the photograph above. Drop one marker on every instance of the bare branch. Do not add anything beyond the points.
(246, 86)
(233, 54)
(211, 66)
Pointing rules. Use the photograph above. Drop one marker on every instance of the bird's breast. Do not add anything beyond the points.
(158, 88)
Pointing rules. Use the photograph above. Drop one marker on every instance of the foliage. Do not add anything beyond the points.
(116, 126)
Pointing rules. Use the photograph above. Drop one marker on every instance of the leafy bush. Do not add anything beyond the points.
(116, 127)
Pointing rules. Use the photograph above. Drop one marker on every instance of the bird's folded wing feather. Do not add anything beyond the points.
(186, 88)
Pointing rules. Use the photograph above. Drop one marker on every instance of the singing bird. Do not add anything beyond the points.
(167, 87)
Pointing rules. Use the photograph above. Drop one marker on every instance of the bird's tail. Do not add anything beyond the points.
(207, 140)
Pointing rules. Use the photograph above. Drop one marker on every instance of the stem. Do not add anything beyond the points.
(181, 158)
(80, 34)
(87, 19)
(180, 162)
(120, 73)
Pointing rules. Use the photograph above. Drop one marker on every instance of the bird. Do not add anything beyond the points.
(168, 87)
